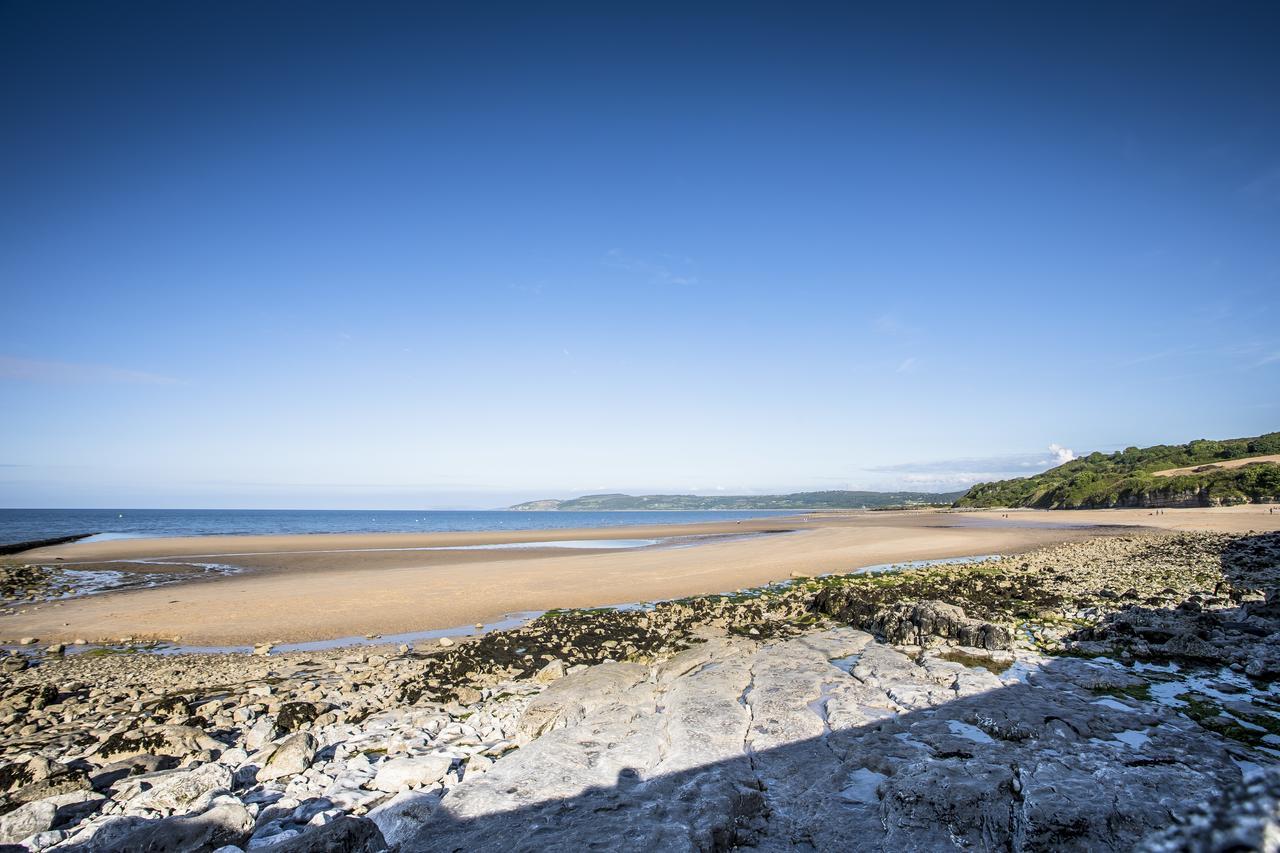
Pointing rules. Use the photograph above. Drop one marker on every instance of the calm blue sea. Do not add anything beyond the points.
(21, 525)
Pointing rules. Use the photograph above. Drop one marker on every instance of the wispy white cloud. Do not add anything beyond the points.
(892, 325)
(1251, 354)
(888, 324)
(1154, 356)
(1262, 192)
(975, 469)
(1264, 187)
(656, 272)
(36, 370)
(941, 482)
(532, 288)
(908, 365)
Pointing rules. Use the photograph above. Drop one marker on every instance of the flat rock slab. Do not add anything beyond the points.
(829, 741)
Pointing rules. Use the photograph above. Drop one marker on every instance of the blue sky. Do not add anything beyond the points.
(395, 255)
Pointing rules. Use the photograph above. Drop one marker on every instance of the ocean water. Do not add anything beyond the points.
(22, 525)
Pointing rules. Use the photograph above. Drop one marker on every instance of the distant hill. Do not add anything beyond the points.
(798, 501)
(1200, 473)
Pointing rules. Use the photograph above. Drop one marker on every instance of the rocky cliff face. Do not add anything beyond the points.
(1163, 500)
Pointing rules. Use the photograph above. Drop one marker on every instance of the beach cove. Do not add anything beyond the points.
(306, 588)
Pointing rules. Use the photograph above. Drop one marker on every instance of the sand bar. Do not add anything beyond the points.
(303, 588)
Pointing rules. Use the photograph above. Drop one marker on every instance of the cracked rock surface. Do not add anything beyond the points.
(831, 741)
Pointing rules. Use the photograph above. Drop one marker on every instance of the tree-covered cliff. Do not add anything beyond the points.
(1218, 472)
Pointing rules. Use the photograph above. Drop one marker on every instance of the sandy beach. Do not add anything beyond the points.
(301, 588)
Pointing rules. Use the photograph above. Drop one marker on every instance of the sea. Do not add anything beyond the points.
(24, 525)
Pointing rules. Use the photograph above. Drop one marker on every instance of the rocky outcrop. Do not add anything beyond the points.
(775, 746)
(933, 718)
(923, 623)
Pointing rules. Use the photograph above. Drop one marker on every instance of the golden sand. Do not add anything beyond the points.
(299, 588)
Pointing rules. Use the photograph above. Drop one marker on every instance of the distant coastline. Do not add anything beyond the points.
(795, 501)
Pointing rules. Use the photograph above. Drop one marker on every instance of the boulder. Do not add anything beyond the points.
(49, 780)
(344, 835)
(1188, 646)
(260, 734)
(296, 715)
(292, 756)
(177, 741)
(111, 773)
(920, 623)
(21, 773)
(405, 816)
(226, 822)
(75, 806)
(549, 673)
(25, 820)
(173, 791)
(400, 774)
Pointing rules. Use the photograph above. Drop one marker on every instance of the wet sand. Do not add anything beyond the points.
(303, 588)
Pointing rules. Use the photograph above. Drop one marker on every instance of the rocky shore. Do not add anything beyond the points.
(1097, 695)
(22, 582)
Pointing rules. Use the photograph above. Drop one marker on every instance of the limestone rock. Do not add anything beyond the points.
(918, 623)
(405, 816)
(738, 743)
(549, 673)
(51, 780)
(27, 819)
(400, 774)
(173, 791)
(292, 756)
(344, 835)
(177, 741)
(569, 700)
(226, 822)
(261, 733)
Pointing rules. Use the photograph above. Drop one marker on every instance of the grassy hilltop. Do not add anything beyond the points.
(1200, 473)
(797, 501)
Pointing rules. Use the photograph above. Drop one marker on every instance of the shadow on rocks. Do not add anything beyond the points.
(1238, 624)
(1057, 763)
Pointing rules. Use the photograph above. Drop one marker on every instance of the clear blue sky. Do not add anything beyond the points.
(380, 255)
